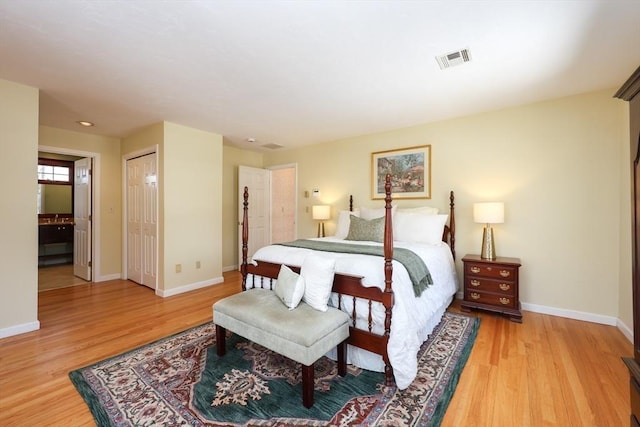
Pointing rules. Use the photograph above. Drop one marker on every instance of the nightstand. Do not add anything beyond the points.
(492, 285)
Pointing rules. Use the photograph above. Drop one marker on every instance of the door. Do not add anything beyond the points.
(283, 204)
(258, 182)
(142, 219)
(82, 219)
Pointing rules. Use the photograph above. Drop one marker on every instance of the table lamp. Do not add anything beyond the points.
(321, 213)
(488, 213)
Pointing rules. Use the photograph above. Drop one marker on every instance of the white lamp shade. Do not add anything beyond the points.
(321, 212)
(488, 212)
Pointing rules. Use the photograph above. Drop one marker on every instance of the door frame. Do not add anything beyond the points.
(125, 157)
(95, 204)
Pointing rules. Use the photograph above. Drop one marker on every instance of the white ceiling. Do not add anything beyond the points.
(301, 72)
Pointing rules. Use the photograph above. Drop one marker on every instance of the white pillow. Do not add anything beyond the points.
(343, 223)
(317, 272)
(289, 287)
(368, 213)
(418, 228)
(428, 210)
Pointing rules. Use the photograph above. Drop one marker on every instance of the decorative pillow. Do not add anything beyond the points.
(343, 223)
(368, 213)
(317, 273)
(369, 230)
(418, 228)
(289, 287)
(428, 210)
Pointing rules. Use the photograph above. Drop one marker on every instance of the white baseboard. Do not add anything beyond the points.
(19, 329)
(230, 268)
(108, 277)
(577, 315)
(571, 314)
(189, 287)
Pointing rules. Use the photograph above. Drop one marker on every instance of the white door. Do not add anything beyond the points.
(257, 181)
(82, 219)
(283, 204)
(142, 219)
(134, 220)
(150, 221)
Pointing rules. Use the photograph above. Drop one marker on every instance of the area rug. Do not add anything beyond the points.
(180, 380)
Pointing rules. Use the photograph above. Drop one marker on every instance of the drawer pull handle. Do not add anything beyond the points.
(475, 282)
(505, 286)
(505, 273)
(475, 295)
(475, 269)
(504, 301)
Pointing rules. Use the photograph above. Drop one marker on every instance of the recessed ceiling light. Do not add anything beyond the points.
(84, 123)
(251, 140)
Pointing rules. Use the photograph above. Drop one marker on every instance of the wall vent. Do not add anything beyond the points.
(453, 59)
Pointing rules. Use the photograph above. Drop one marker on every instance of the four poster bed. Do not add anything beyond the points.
(392, 308)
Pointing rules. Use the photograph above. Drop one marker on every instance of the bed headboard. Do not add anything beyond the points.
(449, 234)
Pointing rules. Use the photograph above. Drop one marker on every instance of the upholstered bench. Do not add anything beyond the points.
(303, 334)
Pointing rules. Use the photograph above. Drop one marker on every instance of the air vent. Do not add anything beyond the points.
(272, 146)
(452, 59)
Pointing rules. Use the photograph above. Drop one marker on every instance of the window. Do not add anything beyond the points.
(55, 172)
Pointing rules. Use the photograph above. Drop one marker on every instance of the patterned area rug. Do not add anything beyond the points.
(180, 380)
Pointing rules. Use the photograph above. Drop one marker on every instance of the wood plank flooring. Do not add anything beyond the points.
(547, 371)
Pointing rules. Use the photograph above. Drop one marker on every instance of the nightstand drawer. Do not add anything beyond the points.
(484, 270)
(506, 301)
(504, 287)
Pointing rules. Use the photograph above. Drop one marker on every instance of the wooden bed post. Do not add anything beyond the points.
(452, 226)
(245, 237)
(388, 272)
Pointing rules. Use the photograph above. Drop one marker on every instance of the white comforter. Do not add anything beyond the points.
(413, 318)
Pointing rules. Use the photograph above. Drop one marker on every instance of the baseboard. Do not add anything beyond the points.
(626, 330)
(571, 314)
(190, 287)
(108, 277)
(19, 329)
(577, 315)
(230, 268)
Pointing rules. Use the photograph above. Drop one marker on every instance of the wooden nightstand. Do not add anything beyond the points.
(492, 285)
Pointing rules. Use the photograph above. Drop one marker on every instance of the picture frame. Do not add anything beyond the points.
(410, 170)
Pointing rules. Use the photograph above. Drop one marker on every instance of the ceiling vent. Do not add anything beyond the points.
(452, 59)
(272, 146)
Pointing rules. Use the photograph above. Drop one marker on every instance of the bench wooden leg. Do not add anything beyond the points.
(342, 359)
(221, 335)
(307, 385)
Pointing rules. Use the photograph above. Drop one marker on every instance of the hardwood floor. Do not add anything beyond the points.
(57, 276)
(545, 371)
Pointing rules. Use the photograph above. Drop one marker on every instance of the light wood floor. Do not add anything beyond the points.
(547, 371)
(57, 276)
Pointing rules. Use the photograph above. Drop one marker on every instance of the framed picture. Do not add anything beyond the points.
(410, 170)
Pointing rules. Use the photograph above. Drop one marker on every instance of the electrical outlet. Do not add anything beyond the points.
(178, 268)
(197, 264)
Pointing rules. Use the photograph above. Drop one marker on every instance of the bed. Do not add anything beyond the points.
(390, 319)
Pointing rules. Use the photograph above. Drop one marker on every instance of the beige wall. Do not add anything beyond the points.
(233, 157)
(18, 216)
(108, 216)
(192, 228)
(555, 164)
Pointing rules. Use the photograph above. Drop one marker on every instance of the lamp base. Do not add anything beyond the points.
(321, 229)
(488, 245)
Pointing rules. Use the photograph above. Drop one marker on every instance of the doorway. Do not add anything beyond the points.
(272, 207)
(57, 275)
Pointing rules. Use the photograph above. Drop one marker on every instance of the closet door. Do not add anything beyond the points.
(142, 220)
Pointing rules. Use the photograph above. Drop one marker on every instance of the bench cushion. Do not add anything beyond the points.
(303, 334)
